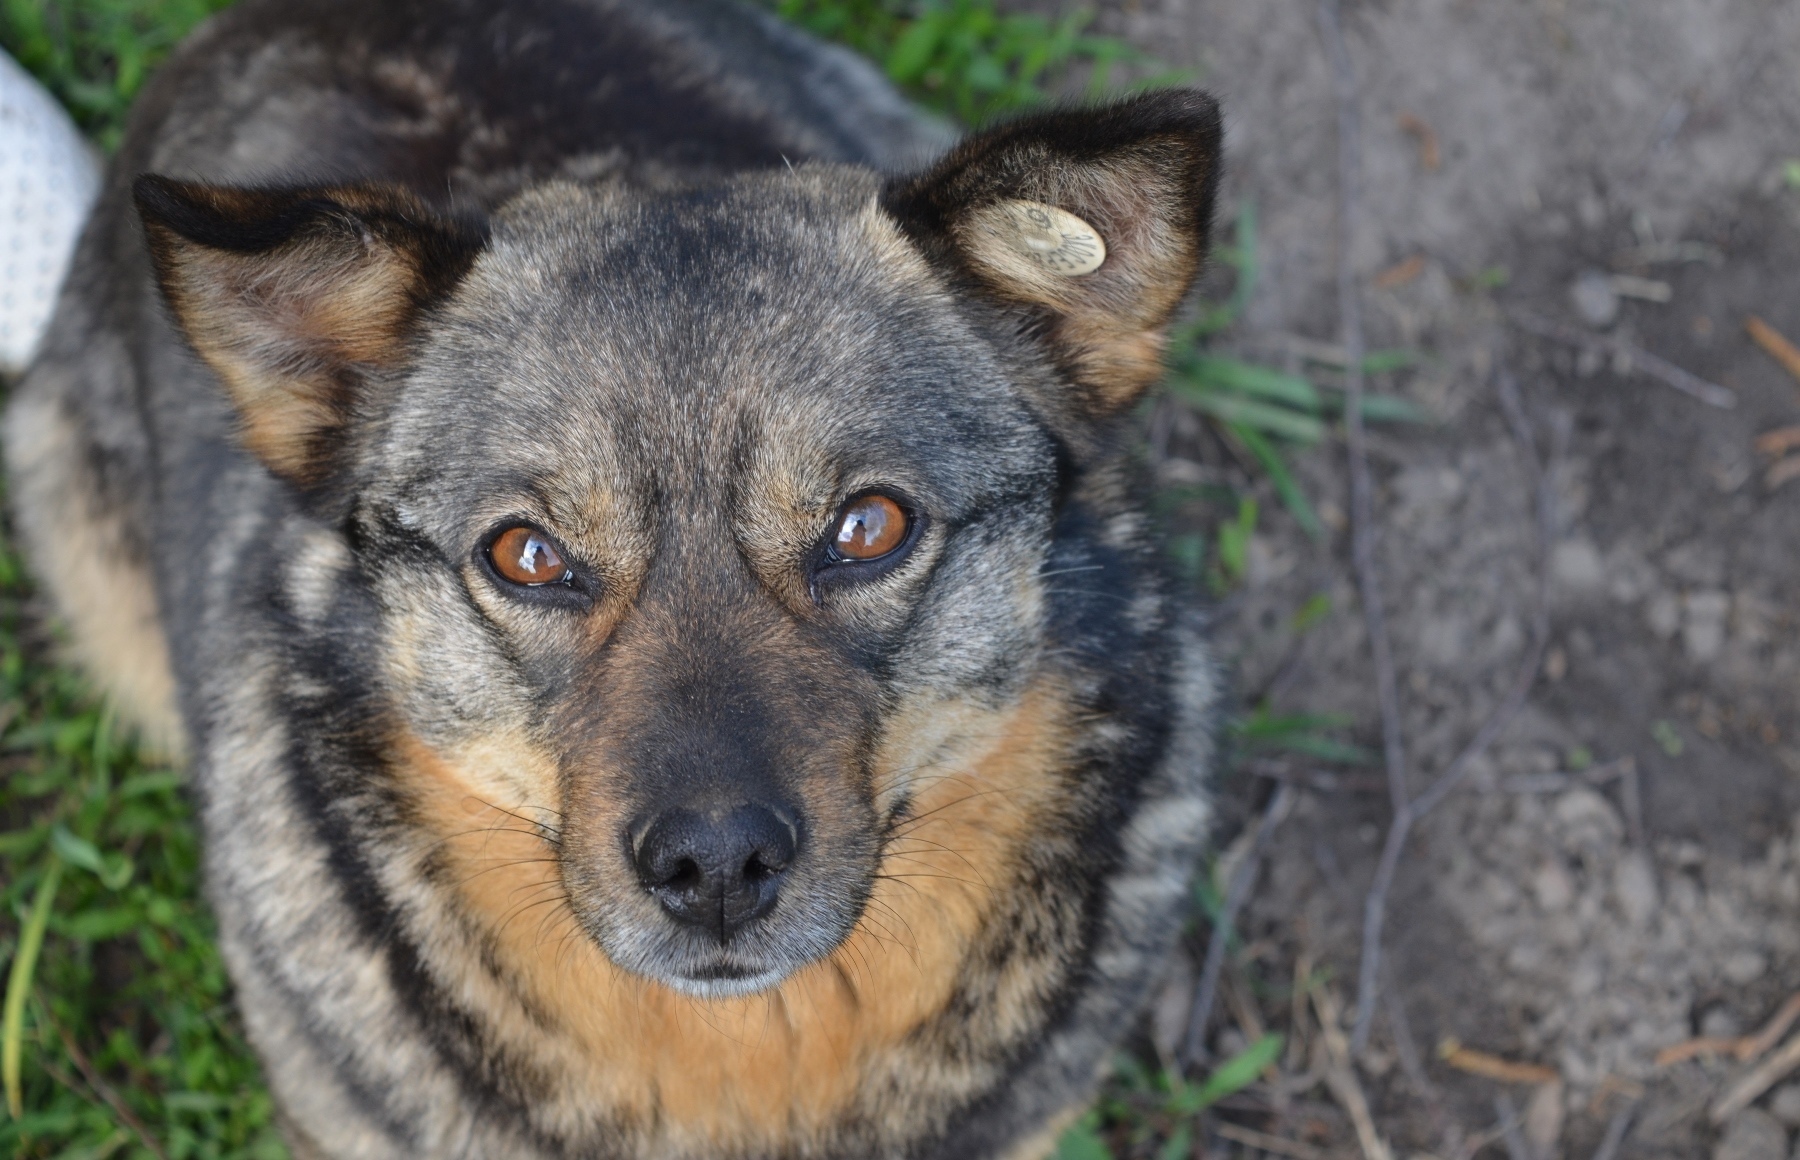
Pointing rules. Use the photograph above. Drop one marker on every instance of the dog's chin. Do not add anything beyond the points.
(726, 986)
(709, 973)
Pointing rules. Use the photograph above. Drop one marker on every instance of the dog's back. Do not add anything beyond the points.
(418, 778)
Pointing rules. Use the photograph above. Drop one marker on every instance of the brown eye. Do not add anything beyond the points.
(526, 556)
(870, 528)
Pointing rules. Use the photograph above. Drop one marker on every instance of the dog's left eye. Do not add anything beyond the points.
(869, 528)
(524, 555)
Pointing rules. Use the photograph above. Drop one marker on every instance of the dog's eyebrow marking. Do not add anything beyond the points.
(1052, 238)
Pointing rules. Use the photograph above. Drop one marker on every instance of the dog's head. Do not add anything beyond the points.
(695, 520)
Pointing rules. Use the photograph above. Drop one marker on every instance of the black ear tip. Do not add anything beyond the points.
(1192, 113)
(225, 217)
(158, 198)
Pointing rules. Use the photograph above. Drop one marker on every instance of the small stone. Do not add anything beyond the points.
(1554, 888)
(1664, 614)
(1544, 1118)
(1577, 565)
(1595, 299)
(1720, 1023)
(1634, 885)
(1752, 1134)
(1785, 1105)
(1703, 633)
(1746, 967)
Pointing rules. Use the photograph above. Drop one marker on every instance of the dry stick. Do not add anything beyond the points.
(1375, 905)
(1655, 366)
(1615, 1133)
(1362, 530)
(1237, 892)
(1340, 1076)
(1516, 1147)
(1760, 1079)
(1273, 1145)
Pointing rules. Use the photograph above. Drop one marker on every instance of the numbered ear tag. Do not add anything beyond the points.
(1053, 238)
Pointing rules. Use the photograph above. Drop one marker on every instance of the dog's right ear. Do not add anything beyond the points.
(1089, 225)
(299, 299)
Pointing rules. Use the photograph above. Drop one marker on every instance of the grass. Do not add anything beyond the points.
(94, 54)
(117, 1037)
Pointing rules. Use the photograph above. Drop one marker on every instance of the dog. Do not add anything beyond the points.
(637, 536)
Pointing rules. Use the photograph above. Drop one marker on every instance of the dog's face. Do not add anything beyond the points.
(683, 511)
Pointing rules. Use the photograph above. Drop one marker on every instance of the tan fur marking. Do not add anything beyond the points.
(103, 593)
(1111, 318)
(750, 1071)
(279, 331)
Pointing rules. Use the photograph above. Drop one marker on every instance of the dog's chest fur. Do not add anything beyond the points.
(390, 790)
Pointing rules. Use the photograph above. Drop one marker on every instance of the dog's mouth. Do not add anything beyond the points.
(727, 981)
(756, 959)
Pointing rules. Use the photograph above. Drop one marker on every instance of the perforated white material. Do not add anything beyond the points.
(49, 177)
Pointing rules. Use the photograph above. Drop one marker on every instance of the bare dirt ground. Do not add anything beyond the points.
(1621, 872)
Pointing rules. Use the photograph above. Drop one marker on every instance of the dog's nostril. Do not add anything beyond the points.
(716, 871)
(686, 874)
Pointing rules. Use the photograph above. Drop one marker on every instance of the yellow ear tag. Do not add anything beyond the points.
(1053, 238)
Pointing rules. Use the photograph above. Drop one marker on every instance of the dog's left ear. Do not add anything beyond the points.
(1093, 221)
(298, 299)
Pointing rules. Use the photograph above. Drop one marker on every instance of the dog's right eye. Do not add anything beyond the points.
(523, 555)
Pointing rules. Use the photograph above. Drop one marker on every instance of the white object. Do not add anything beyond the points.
(48, 181)
(1053, 238)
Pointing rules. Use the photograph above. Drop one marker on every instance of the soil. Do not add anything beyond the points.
(1544, 913)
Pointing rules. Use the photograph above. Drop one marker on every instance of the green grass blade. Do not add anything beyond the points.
(1292, 497)
(1229, 374)
(1081, 1142)
(1378, 361)
(18, 985)
(1234, 1075)
(1264, 417)
(1393, 409)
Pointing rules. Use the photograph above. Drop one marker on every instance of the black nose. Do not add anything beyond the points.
(716, 872)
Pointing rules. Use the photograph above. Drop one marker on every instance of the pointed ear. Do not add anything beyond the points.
(297, 298)
(1093, 220)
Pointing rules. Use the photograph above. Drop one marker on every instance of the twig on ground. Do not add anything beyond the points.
(1543, 475)
(1340, 1076)
(1775, 344)
(1744, 1048)
(1780, 441)
(1494, 1067)
(1411, 1063)
(1622, 770)
(1516, 1148)
(1758, 1080)
(1362, 530)
(1193, 1047)
(1712, 1045)
(1320, 780)
(1653, 365)
(1235, 987)
(1615, 1132)
(1274, 1145)
(1474, 1144)
(1611, 1086)
(1783, 472)
(104, 1091)
(1631, 795)
(1752, 1046)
